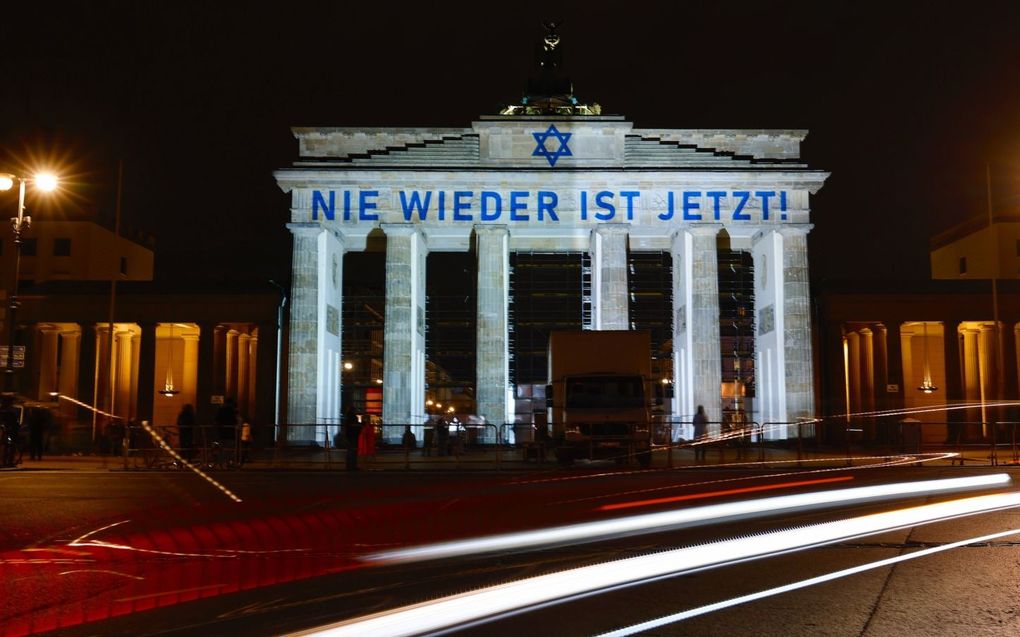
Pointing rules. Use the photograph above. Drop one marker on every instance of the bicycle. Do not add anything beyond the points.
(11, 449)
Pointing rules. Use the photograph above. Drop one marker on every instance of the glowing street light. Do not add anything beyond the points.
(348, 365)
(47, 183)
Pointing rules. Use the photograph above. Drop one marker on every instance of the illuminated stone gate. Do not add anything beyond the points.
(549, 183)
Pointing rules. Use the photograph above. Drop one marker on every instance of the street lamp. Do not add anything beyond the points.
(46, 183)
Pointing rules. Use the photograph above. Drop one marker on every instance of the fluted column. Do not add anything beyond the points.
(609, 270)
(313, 394)
(67, 383)
(404, 329)
(703, 321)
(49, 339)
(492, 389)
(189, 372)
(243, 343)
(125, 366)
(231, 364)
(800, 399)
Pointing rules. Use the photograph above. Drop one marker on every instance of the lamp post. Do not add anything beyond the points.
(19, 224)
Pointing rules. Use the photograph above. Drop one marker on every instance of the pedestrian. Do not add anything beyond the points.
(186, 423)
(430, 439)
(352, 433)
(442, 436)
(38, 423)
(700, 433)
(245, 440)
(409, 441)
(226, 423)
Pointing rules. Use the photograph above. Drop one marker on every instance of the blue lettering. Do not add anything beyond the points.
(666, 216)
(715, 196)
(459, 204)
(547, 201)
(629, 195)
(516, 205)
(600, 201)
(584, 206)
(782, 205)
(494, 196)
(765, 196)
(415, 203)
(364, 205)
(744, 196)
(442, 205)
(318, 201)
(347, 205)
(691, 205)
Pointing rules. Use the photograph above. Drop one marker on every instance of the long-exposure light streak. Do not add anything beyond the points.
(786, 588)
(715, 494)
(493, 601)
(895, 461)
(663, 520)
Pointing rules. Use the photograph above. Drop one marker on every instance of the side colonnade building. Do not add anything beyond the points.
(553, 184)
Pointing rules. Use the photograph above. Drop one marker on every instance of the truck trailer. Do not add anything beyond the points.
(599, 395)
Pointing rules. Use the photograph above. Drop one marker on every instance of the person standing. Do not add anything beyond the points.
(700, 433)
(352, 433)
(186, 423)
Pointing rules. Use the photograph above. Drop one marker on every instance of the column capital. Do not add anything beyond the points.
(795, 230)
(305, 229)
(612, 228)
(401, 229)
(497, 229)
(702, 229)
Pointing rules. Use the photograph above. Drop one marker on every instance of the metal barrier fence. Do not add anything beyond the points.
(161, 447)
(213, 447)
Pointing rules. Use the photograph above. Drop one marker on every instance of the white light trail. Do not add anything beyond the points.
(659, 521)
(448, 612)
(778, 590)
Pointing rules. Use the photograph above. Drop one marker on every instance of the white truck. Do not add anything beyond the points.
(598, 395)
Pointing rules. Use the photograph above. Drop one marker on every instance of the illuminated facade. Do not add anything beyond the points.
(591, 185)
(167, 348)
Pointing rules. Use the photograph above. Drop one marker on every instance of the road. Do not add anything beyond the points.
(123, 553)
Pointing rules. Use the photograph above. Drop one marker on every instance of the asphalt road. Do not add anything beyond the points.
(114, 553)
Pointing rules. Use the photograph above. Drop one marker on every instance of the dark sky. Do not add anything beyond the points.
(905, 104)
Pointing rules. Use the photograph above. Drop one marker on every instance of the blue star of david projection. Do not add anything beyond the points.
(552, 156)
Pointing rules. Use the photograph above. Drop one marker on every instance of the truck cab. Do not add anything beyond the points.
(599, 395)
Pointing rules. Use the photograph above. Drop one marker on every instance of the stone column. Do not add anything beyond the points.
(125, 365)
(231, 364)
(218, 336)
(205, 385)
(404, 329)
(769, 340)
(313, 381)
(703, 322)
(493, 355)
(253, 348)
(800, 397)
(147, 372)
(49, 337)
(683, 346)
(243, 343)
(67, 385)
(302, 380)
(189, 380)
(609, 274)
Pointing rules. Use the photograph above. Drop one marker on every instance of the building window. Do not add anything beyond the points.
(28, 247)
(963, 265)
(123, 266)
(61, 247)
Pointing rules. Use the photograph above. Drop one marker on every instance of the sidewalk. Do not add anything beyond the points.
(506, 459)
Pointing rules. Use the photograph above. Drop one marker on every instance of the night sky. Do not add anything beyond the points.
(905, 104)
